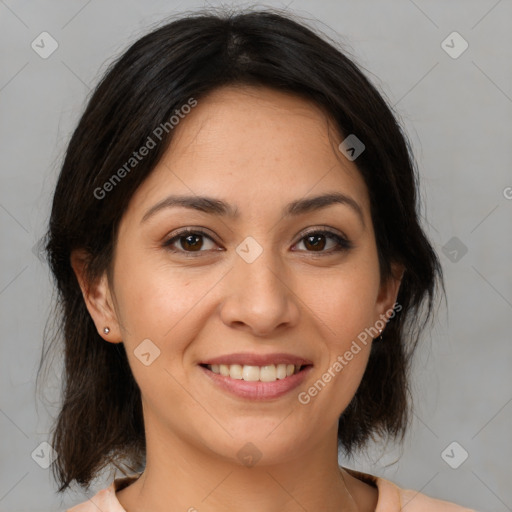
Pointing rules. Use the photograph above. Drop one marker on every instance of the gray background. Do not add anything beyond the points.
(457, 112)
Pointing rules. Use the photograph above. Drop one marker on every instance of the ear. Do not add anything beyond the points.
(388, 292)
(97, 297)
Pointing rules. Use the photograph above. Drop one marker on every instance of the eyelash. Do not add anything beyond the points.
(343, 244)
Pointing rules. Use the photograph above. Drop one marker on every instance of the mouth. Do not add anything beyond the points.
(257, 377)
(252, 373)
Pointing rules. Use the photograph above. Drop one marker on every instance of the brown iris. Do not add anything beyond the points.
(314, 241)
(189, 244)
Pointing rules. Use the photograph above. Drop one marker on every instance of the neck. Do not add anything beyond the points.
(181, 477)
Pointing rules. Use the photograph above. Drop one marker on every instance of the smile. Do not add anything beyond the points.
(259, 380)
(250, 373)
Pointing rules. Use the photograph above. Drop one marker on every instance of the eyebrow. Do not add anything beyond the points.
(218, 207)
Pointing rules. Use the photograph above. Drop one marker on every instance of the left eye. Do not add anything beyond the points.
(317, 240)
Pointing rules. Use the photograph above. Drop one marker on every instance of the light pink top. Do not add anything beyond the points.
(391, 498)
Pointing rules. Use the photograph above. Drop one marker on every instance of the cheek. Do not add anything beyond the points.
(159, 301)
(343, 363)
(345, 302)
(156, 306)
(345, 309)
(336, 383)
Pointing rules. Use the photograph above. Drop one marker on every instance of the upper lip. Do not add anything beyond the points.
(258, 359)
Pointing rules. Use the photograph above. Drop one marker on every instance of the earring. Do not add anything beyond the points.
(380, 336)
(106, 330)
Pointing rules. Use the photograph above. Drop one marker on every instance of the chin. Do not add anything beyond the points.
(259, 443)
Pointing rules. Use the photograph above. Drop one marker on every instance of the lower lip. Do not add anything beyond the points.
(257, 390)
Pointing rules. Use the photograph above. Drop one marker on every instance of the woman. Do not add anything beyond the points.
(242, 274)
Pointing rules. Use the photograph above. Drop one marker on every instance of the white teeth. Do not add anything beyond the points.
(250, 373)
(235, 371)
(281, 371)
(268, 373)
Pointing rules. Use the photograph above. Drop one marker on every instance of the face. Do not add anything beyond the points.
(232, 308)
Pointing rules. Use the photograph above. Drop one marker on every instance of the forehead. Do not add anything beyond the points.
(255, 147)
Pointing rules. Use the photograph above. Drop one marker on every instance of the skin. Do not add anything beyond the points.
(257, 149)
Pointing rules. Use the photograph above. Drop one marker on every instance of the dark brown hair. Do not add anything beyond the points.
(100, 420)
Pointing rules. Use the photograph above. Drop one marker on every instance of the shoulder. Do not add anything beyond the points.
(392, 498)
(105, 500)
(100, 501)
(418, 502)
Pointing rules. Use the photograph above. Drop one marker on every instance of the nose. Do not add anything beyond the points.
(259, 298)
